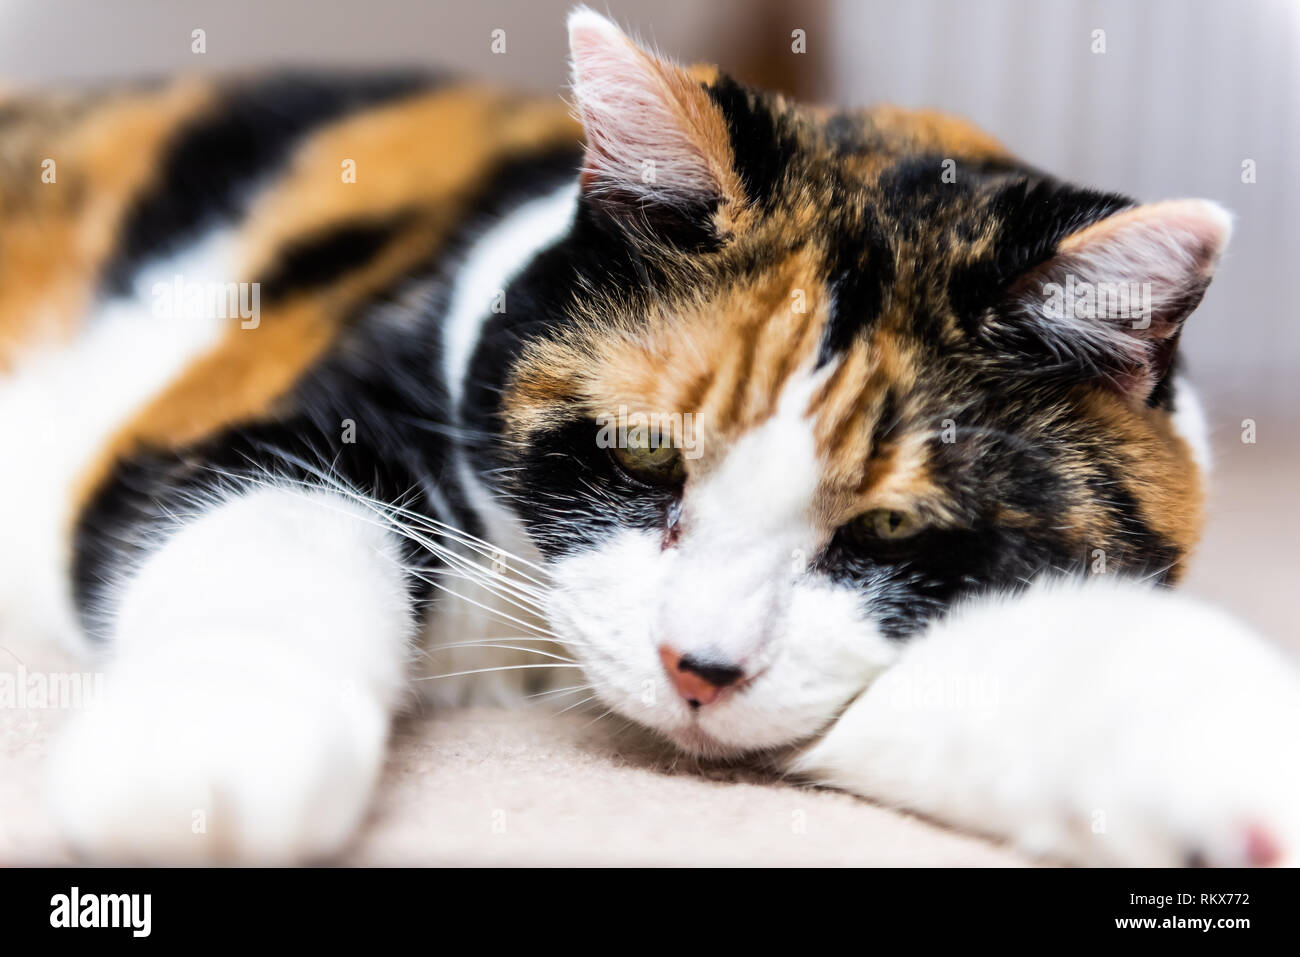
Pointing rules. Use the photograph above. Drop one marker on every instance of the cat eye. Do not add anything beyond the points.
(889, 525)
(651, 459)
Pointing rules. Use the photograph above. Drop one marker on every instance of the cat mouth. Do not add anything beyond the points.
(711, 735)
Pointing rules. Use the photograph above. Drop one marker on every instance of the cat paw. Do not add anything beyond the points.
(1098, 723)
(1216, 810)
(1175, 827)
(1177, 740)
(221, 764)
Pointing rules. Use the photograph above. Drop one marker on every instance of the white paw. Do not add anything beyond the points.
(1099, 723)
(192, 757)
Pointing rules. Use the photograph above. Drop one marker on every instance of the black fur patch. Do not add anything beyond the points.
(212, 164)
(762, 150)
(861, 267)
(318, 259)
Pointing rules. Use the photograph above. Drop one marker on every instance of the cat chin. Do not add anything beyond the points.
(735, 730)
(693, 740)
(697, 742)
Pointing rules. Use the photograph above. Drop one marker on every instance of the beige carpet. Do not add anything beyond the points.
(489, 787)
(492, 787)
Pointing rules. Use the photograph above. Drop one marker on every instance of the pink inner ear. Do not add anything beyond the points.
(1173, 243)
(1154, 261)
(1163, 252)
(640, 141)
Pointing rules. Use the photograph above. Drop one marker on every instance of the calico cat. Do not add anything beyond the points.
(771, 420)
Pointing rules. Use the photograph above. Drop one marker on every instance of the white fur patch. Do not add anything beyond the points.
(258, 656)
(1191, 424)
(492, 262)
(60, 404)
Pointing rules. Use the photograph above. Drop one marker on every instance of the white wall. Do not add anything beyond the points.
(91, 39)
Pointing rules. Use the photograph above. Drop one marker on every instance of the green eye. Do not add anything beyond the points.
(890, 525)
(651, 460)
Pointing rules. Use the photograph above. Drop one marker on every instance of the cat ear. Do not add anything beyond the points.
(654, 136)
(1114, 294)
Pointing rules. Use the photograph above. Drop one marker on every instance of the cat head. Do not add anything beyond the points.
(809, 377)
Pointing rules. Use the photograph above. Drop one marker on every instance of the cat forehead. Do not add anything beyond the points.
(722, 367)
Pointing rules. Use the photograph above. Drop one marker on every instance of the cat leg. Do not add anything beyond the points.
(1099, 722)
(257, 658)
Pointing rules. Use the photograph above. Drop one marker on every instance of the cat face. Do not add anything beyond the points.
(814, 377)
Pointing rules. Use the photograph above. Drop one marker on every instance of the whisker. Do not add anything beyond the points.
(421, 576)
(490, 644)
(389, 509)
(576, 704)
(480, 671)
(524, 605)
(479, 641)
(598, 717)
(572, 689)
(536, 629)
(484, 546)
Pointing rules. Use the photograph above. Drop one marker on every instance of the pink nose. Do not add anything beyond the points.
(698, 682)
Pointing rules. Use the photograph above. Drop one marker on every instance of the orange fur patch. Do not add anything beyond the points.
(55, 236)
(931, 131)
(1158, 469)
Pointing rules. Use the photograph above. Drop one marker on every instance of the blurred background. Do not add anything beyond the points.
(1157, 99)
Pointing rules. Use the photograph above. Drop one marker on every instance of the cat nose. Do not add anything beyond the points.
(698, 681)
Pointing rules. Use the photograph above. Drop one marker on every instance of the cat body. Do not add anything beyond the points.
(743, 415)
